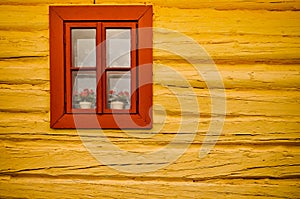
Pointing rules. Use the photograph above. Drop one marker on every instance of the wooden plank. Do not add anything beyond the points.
(71, 159)
(230, 21)
(33, 18)
(239, 76)
(36, 187)
(24, 101)
(15, 44)
(275, 5)
(239, 130)
(19, 71)
(247, 103)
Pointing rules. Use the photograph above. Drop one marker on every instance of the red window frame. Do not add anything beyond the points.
(139, 20)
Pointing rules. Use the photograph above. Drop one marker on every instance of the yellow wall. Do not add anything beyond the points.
(255, 45)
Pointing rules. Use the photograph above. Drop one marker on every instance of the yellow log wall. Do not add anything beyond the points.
(256, 47)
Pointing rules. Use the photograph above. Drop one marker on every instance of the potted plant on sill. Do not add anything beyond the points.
(86, 99)
(118, 100)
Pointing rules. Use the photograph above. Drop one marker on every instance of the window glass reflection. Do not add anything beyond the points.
(84, 47)
(118, 47)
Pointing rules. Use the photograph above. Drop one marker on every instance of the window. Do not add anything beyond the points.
(100, 66)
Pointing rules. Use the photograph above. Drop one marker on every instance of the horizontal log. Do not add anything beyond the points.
(240, 76)
(61, 159)
(34, 18)
(275, 5)
(238, 103)
(24, 100)
(24, 127)
(25, 72)
(231, 21)
(15, 44)
(35, 187)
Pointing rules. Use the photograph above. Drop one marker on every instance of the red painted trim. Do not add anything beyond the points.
(57, 69)
(99, 70)
(96, 13)
(145, 66)
(60, 58)
(104, 121)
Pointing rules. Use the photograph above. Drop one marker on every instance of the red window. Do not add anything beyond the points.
(101, 66)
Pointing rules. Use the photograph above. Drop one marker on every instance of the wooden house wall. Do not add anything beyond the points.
(256, 48)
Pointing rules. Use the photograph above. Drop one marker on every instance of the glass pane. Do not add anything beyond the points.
(118, 47)
(84, 47)
(119, 90)
(84, 89)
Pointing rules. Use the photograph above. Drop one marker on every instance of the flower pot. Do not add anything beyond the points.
(85, 105)
(117, 105)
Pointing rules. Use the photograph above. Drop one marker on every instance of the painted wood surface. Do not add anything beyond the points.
(255, 45)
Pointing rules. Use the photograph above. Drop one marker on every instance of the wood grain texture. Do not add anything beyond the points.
(148, 189)
(90, 188)
(38, 157)
(255, 45)
(274, 5)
